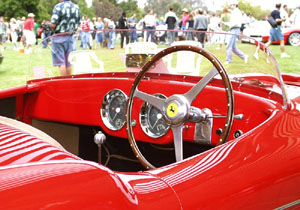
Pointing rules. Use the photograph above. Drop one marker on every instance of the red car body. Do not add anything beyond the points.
(258, 169)
(290, 35)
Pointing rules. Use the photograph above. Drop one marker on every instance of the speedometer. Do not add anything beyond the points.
(152, 120)
(113, 109)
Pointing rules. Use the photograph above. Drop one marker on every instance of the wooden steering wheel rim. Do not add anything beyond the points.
(217, 64)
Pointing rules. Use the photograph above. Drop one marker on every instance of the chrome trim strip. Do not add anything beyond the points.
(286, 206)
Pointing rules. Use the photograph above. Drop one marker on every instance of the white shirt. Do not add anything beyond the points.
(214, 23)
(150, 20)
(235, 19)
(285, 15)
(111, 24)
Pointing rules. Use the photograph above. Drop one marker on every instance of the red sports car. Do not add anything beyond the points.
(291, 36)
(165, 128)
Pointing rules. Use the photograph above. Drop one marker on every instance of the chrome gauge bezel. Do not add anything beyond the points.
(106, 108)
(144, 119)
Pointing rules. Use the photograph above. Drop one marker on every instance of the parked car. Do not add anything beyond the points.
(257, 30)
(153, 136)
(291, 36)
(260, 31)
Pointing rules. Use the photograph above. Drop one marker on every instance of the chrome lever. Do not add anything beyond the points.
(236, 117)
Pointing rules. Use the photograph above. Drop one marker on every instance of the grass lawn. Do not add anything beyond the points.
(16, 68)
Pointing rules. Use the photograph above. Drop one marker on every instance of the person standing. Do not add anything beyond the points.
(29, 33)
(3, 31)
(132, 21)
(141, 26)
(85, 34)
(244, 21)
(150, 23)
(200, 24)
(20, 22)
(275, 33)
(160, 33)
(234, 25)
(36, 33)
(111, 34)
(225, 18)
(123, 24)
(190, 26)
(214, 26)
(91, 33)
(99, 38)
(295, 17)
(14, 27)
(171, 20)
(106, 32)
(251, 19)
(46, 33)
(64, 22)
(284, 14)
(184, 19)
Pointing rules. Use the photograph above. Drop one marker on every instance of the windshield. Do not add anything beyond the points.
(248, 62)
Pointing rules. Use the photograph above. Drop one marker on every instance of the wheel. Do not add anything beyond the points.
(177, 108)
(294, 39)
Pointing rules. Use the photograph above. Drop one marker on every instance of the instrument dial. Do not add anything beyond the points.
(113, 109)
(152, 120)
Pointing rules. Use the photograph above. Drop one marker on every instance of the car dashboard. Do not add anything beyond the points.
(101, 101)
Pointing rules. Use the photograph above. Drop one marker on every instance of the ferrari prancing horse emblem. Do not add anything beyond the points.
(172, 110)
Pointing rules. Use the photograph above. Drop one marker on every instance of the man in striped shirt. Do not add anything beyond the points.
(64, 22)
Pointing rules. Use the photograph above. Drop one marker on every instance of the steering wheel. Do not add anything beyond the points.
(177, 108)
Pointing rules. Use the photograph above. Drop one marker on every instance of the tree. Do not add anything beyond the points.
(159, 7)
(256, 11)
(130, 7)
(84, 10)
(177, 8)
(45, 8)
(106, 9)
(114, 2)
(13, 8)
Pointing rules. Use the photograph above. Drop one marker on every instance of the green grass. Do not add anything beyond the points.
(16, 68)
(287, 65)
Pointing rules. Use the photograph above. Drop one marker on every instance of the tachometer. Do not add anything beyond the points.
(113, 109)
(152, 120)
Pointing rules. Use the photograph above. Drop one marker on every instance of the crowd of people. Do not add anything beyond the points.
(171, 27)
(190, 25)
(152, 27)
(16, 29)
(163, 30)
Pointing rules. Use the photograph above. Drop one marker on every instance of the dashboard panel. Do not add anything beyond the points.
(84, 100)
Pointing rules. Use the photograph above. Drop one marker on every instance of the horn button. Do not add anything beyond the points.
(176, 110)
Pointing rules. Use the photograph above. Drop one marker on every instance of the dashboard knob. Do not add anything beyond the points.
(99, 138)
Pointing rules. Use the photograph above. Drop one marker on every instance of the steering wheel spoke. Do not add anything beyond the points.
(176, 108)
(177, 133)
(196, 90)
(151, 99)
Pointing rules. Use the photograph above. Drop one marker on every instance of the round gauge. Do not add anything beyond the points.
(113, 109)
(152, 120)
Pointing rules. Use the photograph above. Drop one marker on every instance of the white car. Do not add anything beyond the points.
(257, 30)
